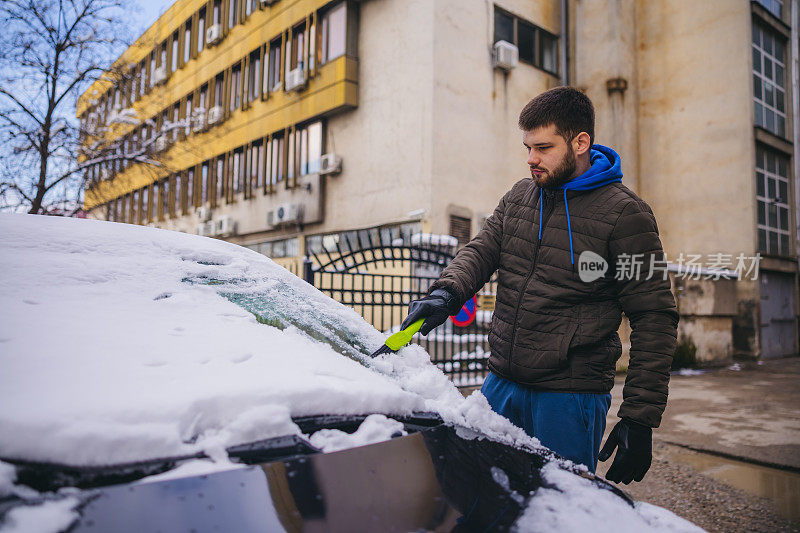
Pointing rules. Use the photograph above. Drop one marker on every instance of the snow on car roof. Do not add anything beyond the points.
(119, 344)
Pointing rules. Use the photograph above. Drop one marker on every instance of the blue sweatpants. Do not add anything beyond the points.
(569, 423)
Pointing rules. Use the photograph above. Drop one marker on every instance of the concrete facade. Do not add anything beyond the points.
(433, 133)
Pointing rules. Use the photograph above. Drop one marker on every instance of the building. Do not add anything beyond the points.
(290, 125)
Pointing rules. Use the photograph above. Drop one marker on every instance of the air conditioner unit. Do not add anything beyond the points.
(506, 55)
(160, 74)
(203, 213)
(213, 34)
(330, 164)
(225, 226)
(295, 79)
(214, 115)
(268, 2)
(104, 174)
(283, 214)
(161, 143)
(199, 120)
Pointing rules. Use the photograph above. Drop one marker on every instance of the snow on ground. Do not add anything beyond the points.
(590, 508)
(110, 356)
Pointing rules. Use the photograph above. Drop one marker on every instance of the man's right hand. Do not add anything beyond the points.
(434, 308)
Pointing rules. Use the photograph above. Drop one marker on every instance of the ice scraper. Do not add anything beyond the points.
(399, 339)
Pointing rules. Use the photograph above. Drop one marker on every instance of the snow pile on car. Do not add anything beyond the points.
(122, 343)
(567, 502)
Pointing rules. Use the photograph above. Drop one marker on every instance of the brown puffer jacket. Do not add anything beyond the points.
(552, 331)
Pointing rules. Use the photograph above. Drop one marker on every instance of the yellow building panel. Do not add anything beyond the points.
(334, 88)
(260, 26)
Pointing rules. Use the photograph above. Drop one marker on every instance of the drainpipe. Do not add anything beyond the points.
(564, 43)
(796, 123)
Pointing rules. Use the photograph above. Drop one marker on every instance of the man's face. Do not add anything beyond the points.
(550, 158)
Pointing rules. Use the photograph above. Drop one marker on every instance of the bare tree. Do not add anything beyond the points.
(51, 51)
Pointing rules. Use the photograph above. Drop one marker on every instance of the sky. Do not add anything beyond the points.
(148, 11)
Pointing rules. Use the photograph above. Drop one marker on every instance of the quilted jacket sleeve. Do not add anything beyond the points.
(475, 263)
(650, 307)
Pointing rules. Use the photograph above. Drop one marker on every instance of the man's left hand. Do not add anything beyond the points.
(634, 443)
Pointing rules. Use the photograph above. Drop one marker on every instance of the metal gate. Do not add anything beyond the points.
(380, 279)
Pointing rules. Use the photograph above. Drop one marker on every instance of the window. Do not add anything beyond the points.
(165, 210)
(258, 157)
(290, 158)
(233, 13)
(236, 88)
(275, 169)
(175, 47)
(297, 48)
(769, 91)
(122, 215)
(201, 30)
(145, 205)
(308, 144)
(526, 37)
(250, 6)
(254, 164)
(216, 12)
(178, 207)
(334, 32)
(772, 193)
(274, 78)
(188, 117)
(152, 66)
(134, 84)
(773, 6)
(202, 101)
(162, 57)
(176, 118)
(312, 44)
(235, 168)
(135, 208)
(503, 27)
(220, 177)
(548, 48)
(142, 77)
(252, 76)
(536, 46)
(219, 86)
(204, 183)
(190, 190)
(187, 41)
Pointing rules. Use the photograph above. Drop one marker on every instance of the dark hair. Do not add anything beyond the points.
(567, 108)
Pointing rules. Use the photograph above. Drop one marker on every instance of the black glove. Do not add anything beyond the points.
(434, 308)
(634, 454)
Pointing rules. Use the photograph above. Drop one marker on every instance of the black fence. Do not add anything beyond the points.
(380, 279)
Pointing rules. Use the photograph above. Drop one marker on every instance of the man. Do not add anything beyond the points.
(553, 338)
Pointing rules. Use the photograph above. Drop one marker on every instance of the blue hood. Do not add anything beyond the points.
(606, 167)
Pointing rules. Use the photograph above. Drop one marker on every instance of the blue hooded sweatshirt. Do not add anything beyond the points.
(606, 167)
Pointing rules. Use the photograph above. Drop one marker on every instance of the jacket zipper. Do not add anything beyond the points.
(550, 199)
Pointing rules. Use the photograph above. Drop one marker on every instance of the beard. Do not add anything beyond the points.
(560, 175)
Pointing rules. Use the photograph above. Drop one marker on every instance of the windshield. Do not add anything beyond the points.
(275, 303)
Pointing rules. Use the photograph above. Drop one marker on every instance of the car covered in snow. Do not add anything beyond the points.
(157, 381)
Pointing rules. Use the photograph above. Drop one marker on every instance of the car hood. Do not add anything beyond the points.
(123, 343)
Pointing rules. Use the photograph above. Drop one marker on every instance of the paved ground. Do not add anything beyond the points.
(752, 414)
